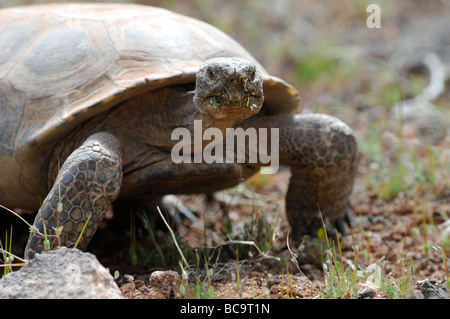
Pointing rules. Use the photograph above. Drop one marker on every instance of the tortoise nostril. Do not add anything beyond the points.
(234, 80)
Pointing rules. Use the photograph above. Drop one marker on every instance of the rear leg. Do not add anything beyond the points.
(87, 184)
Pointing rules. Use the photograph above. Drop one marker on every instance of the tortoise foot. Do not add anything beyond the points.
(323, 166)
(87, 183)
(315, 226)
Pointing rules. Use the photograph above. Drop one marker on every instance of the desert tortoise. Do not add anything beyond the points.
(91, 93)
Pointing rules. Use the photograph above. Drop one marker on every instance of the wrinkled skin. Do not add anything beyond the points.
(231, 87)
(125, 153)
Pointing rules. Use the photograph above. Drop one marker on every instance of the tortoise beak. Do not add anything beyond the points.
(220, 107)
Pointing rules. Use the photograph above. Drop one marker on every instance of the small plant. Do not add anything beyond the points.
(82, 231)
(147, 225)
(133, 251)
(57, 229)
(199, 289)
(344, 283)
(34, 230)
(339, 282)
(238, 277)
(364, 249)
(166, 250)
(396, 164)
(8, 257)
(441, 250)
(263, 228)
(289, 292)
(6, 252)
(263, 232)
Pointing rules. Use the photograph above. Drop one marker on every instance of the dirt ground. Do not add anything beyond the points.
(389, 238)
(395, 232)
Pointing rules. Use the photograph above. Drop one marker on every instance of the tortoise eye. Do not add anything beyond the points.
(252, 75)
(211, 74)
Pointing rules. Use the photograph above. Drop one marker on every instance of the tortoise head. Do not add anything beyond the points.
(229, 89)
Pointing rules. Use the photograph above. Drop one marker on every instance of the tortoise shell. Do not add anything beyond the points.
(62, 64)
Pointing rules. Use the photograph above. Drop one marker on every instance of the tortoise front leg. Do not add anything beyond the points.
(86, 185)
(322, 153)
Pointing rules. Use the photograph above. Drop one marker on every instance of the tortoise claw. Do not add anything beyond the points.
(348, 218)
(340, 226)
(340, 223)
(311, 229)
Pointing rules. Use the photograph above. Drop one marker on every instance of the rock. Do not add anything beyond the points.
(154, 293)
(163, 285)
(431, 291)
(61, 274)
(166, 283)
(366, 293)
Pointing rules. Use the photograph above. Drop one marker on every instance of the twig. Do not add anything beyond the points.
(14, 265)
(17, 215)
(294, 260)
(82, 231)
(407, 108)
(173, 237)
(11, 254)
